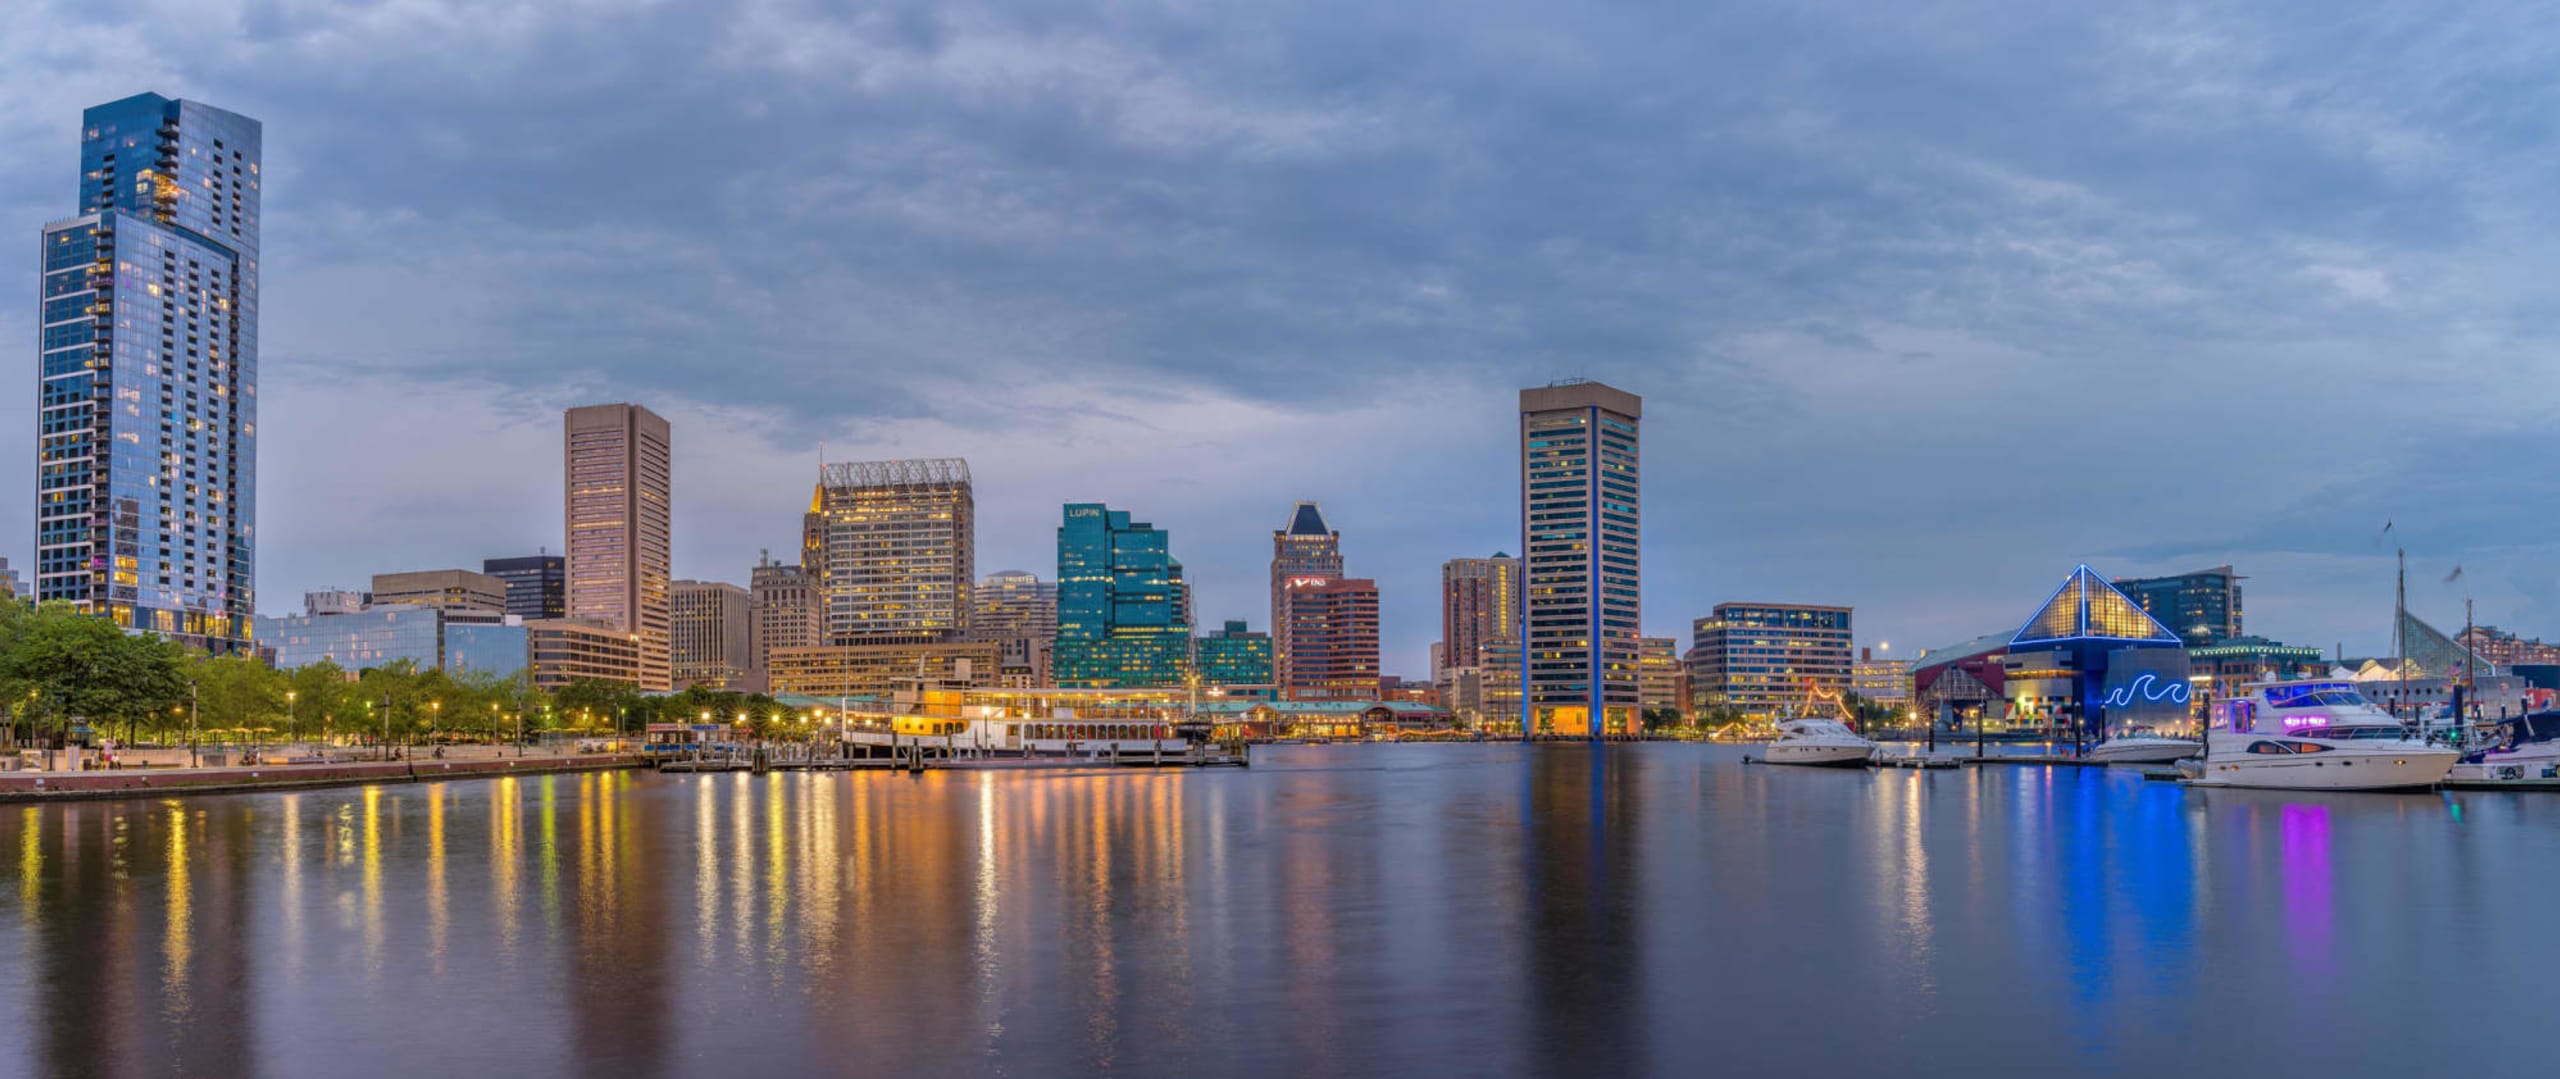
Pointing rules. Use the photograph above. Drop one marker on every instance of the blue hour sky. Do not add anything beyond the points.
(1927, 301)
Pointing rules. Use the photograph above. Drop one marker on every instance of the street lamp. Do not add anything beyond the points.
(292, 720)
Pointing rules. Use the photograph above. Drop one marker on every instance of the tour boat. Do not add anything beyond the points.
(1819, 742)
(2313, 734)
(2135, 745)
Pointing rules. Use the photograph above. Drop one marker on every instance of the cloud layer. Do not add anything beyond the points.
(1927, 301)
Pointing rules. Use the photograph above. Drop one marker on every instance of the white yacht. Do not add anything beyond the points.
(2313, 734)
(2138, 745)
(1820, 742)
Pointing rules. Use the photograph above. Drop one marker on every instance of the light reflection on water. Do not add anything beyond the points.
(1384, 910)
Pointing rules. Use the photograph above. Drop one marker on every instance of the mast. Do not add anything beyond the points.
(2399, 636)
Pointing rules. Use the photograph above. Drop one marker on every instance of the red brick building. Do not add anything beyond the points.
(1333, 638)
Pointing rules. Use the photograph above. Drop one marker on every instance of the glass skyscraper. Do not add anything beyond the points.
(1120, 604)
(1579, 524)
(147, 374)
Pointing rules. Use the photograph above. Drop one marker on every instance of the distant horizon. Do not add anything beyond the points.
(1926, 307)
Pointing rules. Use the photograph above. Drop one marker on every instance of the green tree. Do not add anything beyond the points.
(237, 692)
(74, 667)
(595, 706)
(325, 700)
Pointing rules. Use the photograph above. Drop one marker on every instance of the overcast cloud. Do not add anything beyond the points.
(1927, 301)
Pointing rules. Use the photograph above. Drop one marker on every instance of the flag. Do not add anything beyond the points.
(2456, 575)
(2386, 526)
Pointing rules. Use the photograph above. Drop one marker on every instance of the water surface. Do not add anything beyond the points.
(1484, 910)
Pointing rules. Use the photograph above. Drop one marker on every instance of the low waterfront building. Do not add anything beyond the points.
(2227, 668)
(1764, 659)
(567, 650)
(880, 665)
(453, 589)
(1958, 684)
(428, 637)
(2085, 645)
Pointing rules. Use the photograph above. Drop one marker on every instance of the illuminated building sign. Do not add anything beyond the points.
(2147, 688)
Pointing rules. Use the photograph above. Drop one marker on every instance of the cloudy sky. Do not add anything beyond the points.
(1927, 301)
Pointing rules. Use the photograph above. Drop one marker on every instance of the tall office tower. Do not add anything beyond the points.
(2202, 607)
(1014, 604)
(783, 611)
(1307, 548)
(537, 584)
(1579, 532)
(1333, 634)
(1479, 607)
(620, 493)
(1659, 675)
(895, 546)
(708, 634)
(1120, 623)
(1765, 659)
(147, 375)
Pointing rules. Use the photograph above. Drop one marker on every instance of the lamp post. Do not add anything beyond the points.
(292, 720)
(195, 755)
(435, 720)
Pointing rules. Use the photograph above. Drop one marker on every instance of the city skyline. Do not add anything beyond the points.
(2075, 284)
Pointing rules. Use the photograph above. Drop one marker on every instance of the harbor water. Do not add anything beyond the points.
(1352, 910)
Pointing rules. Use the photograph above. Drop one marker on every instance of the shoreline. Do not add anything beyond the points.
(39, 787)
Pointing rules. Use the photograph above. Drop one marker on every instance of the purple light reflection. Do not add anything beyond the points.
(2308, 903)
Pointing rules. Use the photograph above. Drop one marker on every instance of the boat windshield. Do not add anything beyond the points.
(2370, 733)
(1810, 727)
(2327, 695)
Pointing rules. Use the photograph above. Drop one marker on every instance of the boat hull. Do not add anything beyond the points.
(1820, 756)
(2144, 751)
(2412, 768)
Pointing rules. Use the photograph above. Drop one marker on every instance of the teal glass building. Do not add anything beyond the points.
(1121, 620)
(147, 374)
(1234, 656)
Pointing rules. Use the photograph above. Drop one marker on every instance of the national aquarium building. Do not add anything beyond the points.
(2089, 660)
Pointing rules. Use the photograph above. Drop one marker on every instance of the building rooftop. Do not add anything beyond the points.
(1307, 520)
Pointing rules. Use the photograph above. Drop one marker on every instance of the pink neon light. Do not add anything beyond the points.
(2291, 722)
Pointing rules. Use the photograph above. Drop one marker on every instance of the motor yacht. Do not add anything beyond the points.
(2138, 745)
(1819, 742)
(2313, 734)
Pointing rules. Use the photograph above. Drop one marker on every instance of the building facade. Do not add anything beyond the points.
(1766, 659)
(426, 636)
(2504, 649)
(620, 483)
(1014, 603)
(537, 585)
(1308, 547)
(2227, 668)
(457, 589)
(2202, 607)
(708, 625)
(892, 547)
(1234, 656)
(1479, 609)
(882, 667)
(1884, 681)
(1659, 675)
(566, 650)
(147, 375)
(1333, 634)
(783, 611)
(335, 601)
(1120, 604)
(1580, 533)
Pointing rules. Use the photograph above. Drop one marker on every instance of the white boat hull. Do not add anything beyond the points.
(2144, 750)
(1833, 756)
(2398, 768)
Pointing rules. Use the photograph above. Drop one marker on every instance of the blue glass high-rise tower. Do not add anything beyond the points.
(147, 374)
(1122, 615)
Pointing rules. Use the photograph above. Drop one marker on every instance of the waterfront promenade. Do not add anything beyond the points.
(278, 774)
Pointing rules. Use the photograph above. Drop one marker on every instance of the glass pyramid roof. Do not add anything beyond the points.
(2086, 606)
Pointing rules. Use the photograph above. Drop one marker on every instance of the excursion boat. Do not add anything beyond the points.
(2313, 734)
(1823, 742)
(2526, 747)
(2136, 745)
